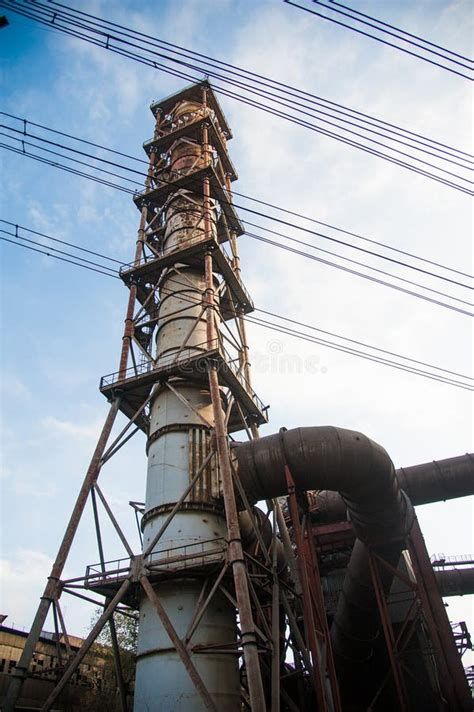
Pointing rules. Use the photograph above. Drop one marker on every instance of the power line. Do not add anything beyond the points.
(374, 269)
(107, 44)
(62, 155)
(61, 252)
(68, 169)
(301, 335)
(398, 35)
(379, 39)
(357, 235)
(62, 242)
(75, 138)
(279, 208)
(359, 274)
(299, 252)
(265, 81)
(384, 362)
(276, 98)
(25, 132)
(408, 34)
(357, 342)
(58, 257)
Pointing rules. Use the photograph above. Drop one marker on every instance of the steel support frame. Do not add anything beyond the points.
(53, 588)
(453, 680)
(454, 693)
(235, 551)
(315, 622)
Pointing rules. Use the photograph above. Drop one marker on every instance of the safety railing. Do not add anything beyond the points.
(187, 556)
(173, 358)
(109, 572)
(197, 357)
(184, 556)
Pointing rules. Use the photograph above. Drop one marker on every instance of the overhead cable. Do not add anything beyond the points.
(417, 55)
(106, 42)
(26, 122)
(279, 328)
(296, 251)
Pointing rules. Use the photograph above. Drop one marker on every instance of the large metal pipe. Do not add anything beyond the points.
(455, 582)
(429, 482)
(361, 471)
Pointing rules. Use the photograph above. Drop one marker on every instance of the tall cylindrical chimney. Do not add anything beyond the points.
(179, 442)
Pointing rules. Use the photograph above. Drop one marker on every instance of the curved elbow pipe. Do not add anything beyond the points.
(328, 458)
(361, 471)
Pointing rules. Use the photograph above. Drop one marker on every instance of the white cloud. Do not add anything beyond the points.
(76, 431)
(23, 576)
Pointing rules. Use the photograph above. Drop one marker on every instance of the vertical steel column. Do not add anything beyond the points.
(309, 622)
(244, 362)
(236, 555)
(51, 590)
(275, 619)
(453, 680)
(317, 591)
(388, 634)
(129, 328)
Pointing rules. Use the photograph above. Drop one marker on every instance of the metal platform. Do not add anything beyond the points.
(193, 182)
(148, 272)
(193, 92)
(193, 129)
(196, 560)
(191, 364)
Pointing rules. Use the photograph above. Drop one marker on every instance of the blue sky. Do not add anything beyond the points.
(62, 326)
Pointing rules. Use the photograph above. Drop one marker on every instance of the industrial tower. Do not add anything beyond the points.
(233, 612)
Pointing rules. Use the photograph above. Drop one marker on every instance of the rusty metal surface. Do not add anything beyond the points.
(435, 481)
(455, 582)
(361, 470)
(453, 680)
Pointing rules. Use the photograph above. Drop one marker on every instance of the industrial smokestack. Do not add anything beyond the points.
(179, 445)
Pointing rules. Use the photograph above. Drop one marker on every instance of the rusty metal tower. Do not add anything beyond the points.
(184, 380)
(233, 610)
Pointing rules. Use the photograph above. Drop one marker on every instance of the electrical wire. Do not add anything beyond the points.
(56, 239)
(61, 252)
(25, 132)
(261, 80)
(278, 113)
(304, 254)
(408, 34)
(378, 39)
(76, 160)
(359, 274)
(68, 169)
(272, 96)
(374, 269)
(57, 257)
(286, 330)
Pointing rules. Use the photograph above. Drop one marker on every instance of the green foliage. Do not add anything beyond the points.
(127, 632)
